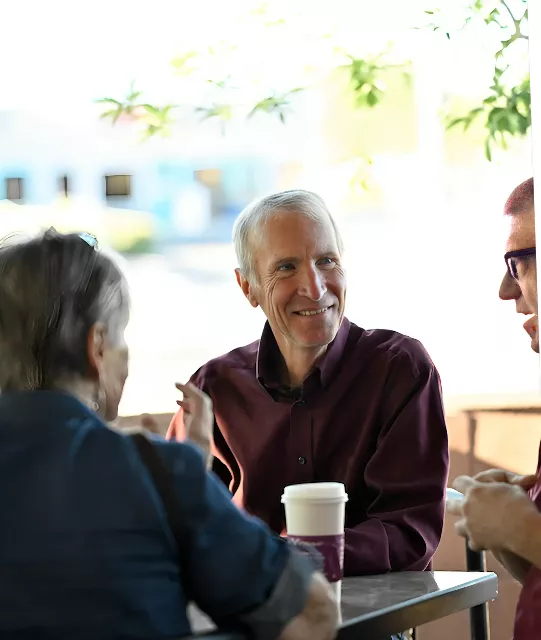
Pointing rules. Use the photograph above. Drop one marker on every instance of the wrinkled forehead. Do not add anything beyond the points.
(290, 233)
(519, 231)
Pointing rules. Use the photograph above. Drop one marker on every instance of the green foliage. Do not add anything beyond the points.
(210, 97)
(119, 108)
(506, 110)
(276, 104)
(366, 84)
(223, 112)
(359, 179)
(367, 78)
(157, 119)
(181, 64)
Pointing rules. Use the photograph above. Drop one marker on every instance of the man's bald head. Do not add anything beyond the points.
(521, 199)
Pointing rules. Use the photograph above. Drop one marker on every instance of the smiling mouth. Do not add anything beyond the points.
(312, 312)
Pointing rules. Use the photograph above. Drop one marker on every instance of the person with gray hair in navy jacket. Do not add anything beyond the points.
(106, 534)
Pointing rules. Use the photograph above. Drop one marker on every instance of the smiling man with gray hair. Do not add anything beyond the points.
(318, 398)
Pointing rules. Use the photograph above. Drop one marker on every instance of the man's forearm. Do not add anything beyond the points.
(526, 541)
(515, 565)
(377, 547)
(366, 549)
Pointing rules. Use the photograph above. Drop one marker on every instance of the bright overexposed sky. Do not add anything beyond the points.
(63, 52)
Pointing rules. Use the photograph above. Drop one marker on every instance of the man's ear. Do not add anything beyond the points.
(246, 287)
(95, 348)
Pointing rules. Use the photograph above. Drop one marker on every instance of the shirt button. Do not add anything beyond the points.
(302, 460)
(301, 402)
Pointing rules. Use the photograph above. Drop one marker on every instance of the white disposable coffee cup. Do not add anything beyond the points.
(315, 515)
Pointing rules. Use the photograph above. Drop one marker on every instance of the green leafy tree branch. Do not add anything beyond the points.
(209, 97)
(506, 111)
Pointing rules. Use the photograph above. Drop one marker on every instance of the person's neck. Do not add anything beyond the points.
(83, 390)
(299, 363)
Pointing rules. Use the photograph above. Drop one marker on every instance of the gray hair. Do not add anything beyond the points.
(258, 212)
(53, 288)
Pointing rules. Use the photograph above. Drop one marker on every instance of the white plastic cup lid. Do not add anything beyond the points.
(328, 491)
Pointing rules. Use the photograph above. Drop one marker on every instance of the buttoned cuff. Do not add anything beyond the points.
(286, 601)
(310, 552)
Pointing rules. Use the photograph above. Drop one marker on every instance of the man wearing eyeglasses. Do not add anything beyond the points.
(500, 511)
(520, 281)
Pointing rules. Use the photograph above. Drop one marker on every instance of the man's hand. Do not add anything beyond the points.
(507, 477)
(198, 417)
(319, 618)
(491, 511)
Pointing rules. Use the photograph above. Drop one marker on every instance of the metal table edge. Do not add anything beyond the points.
(421, 610)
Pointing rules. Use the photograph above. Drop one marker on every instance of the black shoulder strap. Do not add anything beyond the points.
(164, 484)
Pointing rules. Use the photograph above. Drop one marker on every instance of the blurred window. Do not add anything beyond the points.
(14, 188)
(64, 185)
(212, 179)
(117, 185)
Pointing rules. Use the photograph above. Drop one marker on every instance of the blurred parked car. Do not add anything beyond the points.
(124, 230)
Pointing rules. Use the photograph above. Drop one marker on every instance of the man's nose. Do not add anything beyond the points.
(313, 285)
(509, 289)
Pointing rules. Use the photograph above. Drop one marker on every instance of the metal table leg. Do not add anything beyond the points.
(479, 624)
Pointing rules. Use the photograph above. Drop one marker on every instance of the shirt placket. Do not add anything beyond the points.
(301, 460)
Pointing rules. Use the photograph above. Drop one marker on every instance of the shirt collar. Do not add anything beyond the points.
(269, 358)
(42, 406)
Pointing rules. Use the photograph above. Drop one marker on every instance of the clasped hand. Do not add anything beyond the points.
(495, 502)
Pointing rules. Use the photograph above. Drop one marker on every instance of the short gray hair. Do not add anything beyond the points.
(53, 288)
(306, 203)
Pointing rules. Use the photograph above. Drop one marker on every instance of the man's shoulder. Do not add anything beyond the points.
(391, 345)
(242, 359)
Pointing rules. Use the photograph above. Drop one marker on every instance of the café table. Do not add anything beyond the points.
(375, 607)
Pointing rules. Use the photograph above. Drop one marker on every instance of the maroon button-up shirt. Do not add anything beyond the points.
(369, 415)
(528, 618)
